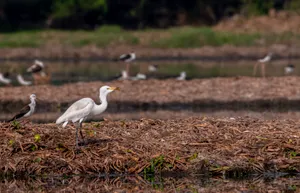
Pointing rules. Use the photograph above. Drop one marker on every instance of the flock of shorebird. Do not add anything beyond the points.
(37, 70)
(262, 63)
(86, 107)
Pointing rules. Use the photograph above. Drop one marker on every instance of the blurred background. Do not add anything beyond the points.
(81, 40)
(130, 14)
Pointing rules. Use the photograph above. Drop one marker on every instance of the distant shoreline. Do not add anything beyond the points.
(206, 53)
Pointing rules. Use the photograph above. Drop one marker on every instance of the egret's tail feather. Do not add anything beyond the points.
(60, 120)
(65, 124)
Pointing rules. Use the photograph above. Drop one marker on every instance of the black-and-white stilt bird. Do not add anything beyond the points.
(127, 58)
(262, 62)
(23, 82)
(4, 78)
(26, 111)
(37, 67)
(289, 69)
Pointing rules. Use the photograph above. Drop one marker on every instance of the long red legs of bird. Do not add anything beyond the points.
(255, 68)
(127, 68)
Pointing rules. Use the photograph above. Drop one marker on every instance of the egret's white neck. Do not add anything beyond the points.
(97, 109)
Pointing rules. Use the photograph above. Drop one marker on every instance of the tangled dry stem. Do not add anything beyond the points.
(193, 145)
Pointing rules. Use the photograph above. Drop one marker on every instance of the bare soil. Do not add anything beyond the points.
(193, 145)
(275, 22)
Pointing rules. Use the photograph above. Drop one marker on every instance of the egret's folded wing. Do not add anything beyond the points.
(78, 107)
(82, 113)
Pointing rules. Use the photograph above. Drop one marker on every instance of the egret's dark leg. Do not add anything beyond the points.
(81, 135)
(77, 138)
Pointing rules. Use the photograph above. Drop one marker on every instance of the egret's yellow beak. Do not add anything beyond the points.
(114, 88)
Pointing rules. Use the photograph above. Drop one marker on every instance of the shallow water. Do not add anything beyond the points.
(73, 71)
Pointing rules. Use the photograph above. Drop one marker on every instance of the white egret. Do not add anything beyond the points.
(22, 81)
(84, 108)
(262, 63)
(27, 110)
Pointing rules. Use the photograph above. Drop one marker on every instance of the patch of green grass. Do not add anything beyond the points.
(20, 39)
(191, 37)
(104, 36)
(112, 35)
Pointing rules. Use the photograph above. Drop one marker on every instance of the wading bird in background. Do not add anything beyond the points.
(182, 76)
(4, 78)
(38, 73)
(23, 82)
(289, 69)
(153, 67)
(26, 111)
(128, 58)
(37, 67)
(262, 62)
(84, 108)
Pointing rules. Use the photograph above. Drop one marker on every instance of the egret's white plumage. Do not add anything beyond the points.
(4, 79)
(84, 108)
(182, 76)
(22, 81)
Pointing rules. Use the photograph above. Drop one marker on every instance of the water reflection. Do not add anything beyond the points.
(152, 184)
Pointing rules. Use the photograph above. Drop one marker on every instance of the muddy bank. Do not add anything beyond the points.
(214, 92)
(195, 145)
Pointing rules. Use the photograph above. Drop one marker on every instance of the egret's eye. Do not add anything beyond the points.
(107, 89)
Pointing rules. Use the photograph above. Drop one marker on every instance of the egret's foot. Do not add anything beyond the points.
(77, 151)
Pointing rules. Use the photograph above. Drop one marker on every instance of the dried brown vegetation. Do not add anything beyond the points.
(194, 145)
(165, 91)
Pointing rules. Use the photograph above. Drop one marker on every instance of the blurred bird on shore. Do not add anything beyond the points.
(262, 62)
